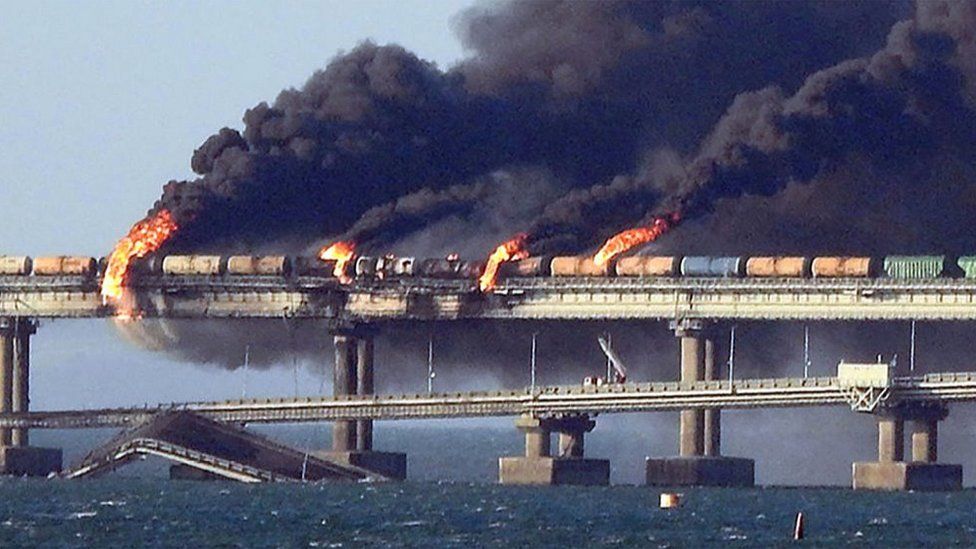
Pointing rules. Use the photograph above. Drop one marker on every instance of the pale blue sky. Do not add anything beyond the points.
(103, 102)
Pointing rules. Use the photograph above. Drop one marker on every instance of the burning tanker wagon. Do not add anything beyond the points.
(367, 268)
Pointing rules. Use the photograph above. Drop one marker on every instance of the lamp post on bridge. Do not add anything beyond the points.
(806, 351)
(731, 355)
(911, 354)
(430, 364)
(532, 362)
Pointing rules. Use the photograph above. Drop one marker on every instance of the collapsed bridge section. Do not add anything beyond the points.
(202, 448)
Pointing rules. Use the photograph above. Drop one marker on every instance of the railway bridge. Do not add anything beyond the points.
(692, 306)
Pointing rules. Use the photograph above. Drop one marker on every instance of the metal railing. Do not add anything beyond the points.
(173, 452)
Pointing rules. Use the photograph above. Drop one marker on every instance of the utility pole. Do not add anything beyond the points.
(532, 362)
(289, 326)
(247, 359)
(430, 364)
(806, 351)
(911, 355)
(731, 355)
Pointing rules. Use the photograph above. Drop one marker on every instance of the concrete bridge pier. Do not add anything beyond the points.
(699, 461)
(344, 384)
(891, 471)
(712, 416)
(364, 386)
(539, 467)
(353, 375)
(17, 457)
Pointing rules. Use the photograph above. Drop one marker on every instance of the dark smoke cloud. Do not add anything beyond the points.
(414, 211)
(388, 149)
(474, 216)
(579, 88)
(903, 112)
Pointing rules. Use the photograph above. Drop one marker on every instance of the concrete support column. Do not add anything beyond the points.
(571, 444)
(364, 386)
(536, 436)
(537, 443)
(925, 441)
(571, 431)
(352, 440)
(16, 456)
(699, 462)
(713, 416)
(23, 330)
(343, 384)
(891, 471)
(891, 439)
(691, 441)
(6, 375)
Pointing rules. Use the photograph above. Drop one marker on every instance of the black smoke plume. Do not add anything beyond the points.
(901, 115)
(582, 89)
(634, 96)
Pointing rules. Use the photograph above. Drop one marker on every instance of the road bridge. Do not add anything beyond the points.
(931, 389)
(513, 299)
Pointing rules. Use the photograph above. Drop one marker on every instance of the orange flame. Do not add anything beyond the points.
(144, 238)
(342, 252)
(513, 250)
(621, 242)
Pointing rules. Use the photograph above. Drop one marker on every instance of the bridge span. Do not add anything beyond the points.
(518, 298)
(551, 401)
(695, 308)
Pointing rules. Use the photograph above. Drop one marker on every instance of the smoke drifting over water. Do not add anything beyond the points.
(803, 127)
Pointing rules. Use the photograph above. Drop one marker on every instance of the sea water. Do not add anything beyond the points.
(452, 500)
(128, 512)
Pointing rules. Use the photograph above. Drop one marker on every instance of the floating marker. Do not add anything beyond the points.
(670, 500)
(798, 527)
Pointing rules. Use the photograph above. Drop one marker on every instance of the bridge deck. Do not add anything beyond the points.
(526, 298)
(630, 397)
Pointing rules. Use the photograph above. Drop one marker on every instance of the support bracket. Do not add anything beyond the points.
(866, 399)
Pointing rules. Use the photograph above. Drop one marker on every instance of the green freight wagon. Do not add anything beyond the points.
(968, 265)
(916, 266)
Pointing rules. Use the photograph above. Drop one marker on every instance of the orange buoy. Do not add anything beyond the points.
(670, 500)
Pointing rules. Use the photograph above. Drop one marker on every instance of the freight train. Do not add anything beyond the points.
(391, 268)
(894, 266)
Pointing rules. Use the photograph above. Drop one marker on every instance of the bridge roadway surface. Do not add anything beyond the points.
(573, 399)
(520, 298)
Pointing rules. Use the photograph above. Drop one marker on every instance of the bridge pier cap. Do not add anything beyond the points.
(915, 411)
(354, 331)
(690, 327)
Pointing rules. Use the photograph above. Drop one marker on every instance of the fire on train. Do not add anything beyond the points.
(391, 268)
